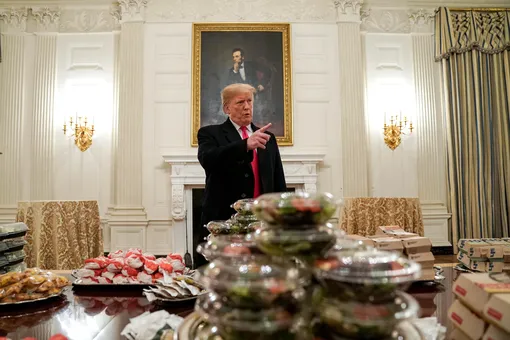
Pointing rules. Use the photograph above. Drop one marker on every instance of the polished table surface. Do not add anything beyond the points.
(102, 315)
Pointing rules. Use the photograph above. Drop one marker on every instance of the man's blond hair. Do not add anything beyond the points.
(233, 90)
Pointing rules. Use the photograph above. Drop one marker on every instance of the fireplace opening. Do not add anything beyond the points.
(197, 195)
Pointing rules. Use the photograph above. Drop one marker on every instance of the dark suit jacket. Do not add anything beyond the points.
(250, 72)
(227, 163)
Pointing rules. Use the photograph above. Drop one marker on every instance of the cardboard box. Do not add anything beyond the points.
(388, 243)
(497, 311)
(365, 240)
(457, 334)
(494, 266)
(505, 246)
(494, 333)
(394, 231)
(416, 244)
(473, 264)
(470, 324)
(475, 289)
(427, 275)
(426, 260)
(476, 248)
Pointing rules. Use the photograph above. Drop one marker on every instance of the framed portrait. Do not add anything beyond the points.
(257, 54)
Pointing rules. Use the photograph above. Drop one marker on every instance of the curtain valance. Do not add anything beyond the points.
(461, 31)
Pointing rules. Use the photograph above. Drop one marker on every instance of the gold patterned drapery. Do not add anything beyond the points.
(362, 215)
(61, 234)
(473, 47)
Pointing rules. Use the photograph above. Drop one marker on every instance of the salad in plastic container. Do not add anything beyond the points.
(255, 282)
(247, 324)
(306, 244)
(228, 246)
(369, 275)
(297, 209)
(359, 320)
(227, 228)
(244, 206)
(245, 219)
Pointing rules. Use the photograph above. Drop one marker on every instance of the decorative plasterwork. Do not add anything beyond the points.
(240, 11)
(132, 10)
(47, 19)
(397, 20)
(348, 10)
(87, 20)
(14, 20)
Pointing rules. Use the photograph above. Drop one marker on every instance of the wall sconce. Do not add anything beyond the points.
(393, 132)
(82, 132)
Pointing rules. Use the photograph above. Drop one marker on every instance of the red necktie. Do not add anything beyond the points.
(254, 166)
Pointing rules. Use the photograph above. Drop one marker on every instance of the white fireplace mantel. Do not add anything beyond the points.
(301, 172)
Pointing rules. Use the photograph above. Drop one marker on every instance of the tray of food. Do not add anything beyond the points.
(130, 268)
(177, 288)
(30, 286)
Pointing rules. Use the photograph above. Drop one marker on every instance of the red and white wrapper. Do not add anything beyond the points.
(103, 280)
(108, 275)
(174, 257)
(143, 277)
(115, 265)
(96, 263)
(120, 279)
(151, 266)
(81, 273)
(133, 280)
(133, 251)
(156, 277)
(129, 271)
(148, 256)
(134, 261)
(165, 267)
(177, 265)
(117, 254)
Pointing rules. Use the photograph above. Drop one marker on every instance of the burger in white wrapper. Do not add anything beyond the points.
(150, 325)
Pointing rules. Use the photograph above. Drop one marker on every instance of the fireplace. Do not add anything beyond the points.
(188, 179)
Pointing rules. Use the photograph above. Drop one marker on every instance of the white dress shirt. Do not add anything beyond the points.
(241, 71)
(238, 128)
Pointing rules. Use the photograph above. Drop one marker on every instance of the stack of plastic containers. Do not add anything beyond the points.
(12, 241)
(240, 223)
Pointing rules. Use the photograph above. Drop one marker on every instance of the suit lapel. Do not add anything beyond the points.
(230, 131)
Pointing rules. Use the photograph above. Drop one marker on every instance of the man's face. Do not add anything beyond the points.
(240, 109)
(236, 56)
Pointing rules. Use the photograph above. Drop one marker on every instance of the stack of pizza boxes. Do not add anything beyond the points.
(484, 255)
(413, 246)
(482, 307)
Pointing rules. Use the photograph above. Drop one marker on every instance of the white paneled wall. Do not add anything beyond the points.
(84, 88)
(390, 90)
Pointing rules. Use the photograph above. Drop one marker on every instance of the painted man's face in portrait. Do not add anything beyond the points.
(237, 57)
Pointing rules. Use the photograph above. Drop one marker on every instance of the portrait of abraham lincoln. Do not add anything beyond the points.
(255, 54)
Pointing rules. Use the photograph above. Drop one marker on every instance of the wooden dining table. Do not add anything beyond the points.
(93, 314)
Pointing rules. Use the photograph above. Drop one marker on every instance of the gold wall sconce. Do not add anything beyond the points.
(395, 129)
(82, 132)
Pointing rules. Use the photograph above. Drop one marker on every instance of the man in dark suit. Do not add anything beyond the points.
(240, 159)
(248, 72)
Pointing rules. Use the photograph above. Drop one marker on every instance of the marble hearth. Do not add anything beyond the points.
(301, 173)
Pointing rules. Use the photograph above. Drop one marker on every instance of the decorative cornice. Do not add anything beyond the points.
(348, 10)
(87, 20)
(422, 20)
(14, 20)
(47, 19)
(385, 21)
(132, 10)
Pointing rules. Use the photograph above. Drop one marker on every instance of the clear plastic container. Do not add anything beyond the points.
(368, 275)
(247, 324)
(13, 230)
(244, 206)
(357, 320)
(228, 246)
(298, 209)
(255, 282)
(244, 219)
(227, 228)
(306, 244)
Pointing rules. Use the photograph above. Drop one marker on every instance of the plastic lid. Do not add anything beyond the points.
(312, 234)
(244, 218)
(402, 307)
(257, 273)
(244, 206)
(228, 246)
(367, 266)
(227, 227)
(212, 309)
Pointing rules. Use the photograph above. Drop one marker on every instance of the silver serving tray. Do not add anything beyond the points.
(31, 301)
(79, 282)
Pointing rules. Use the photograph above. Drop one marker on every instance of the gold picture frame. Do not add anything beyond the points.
(216, 42)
